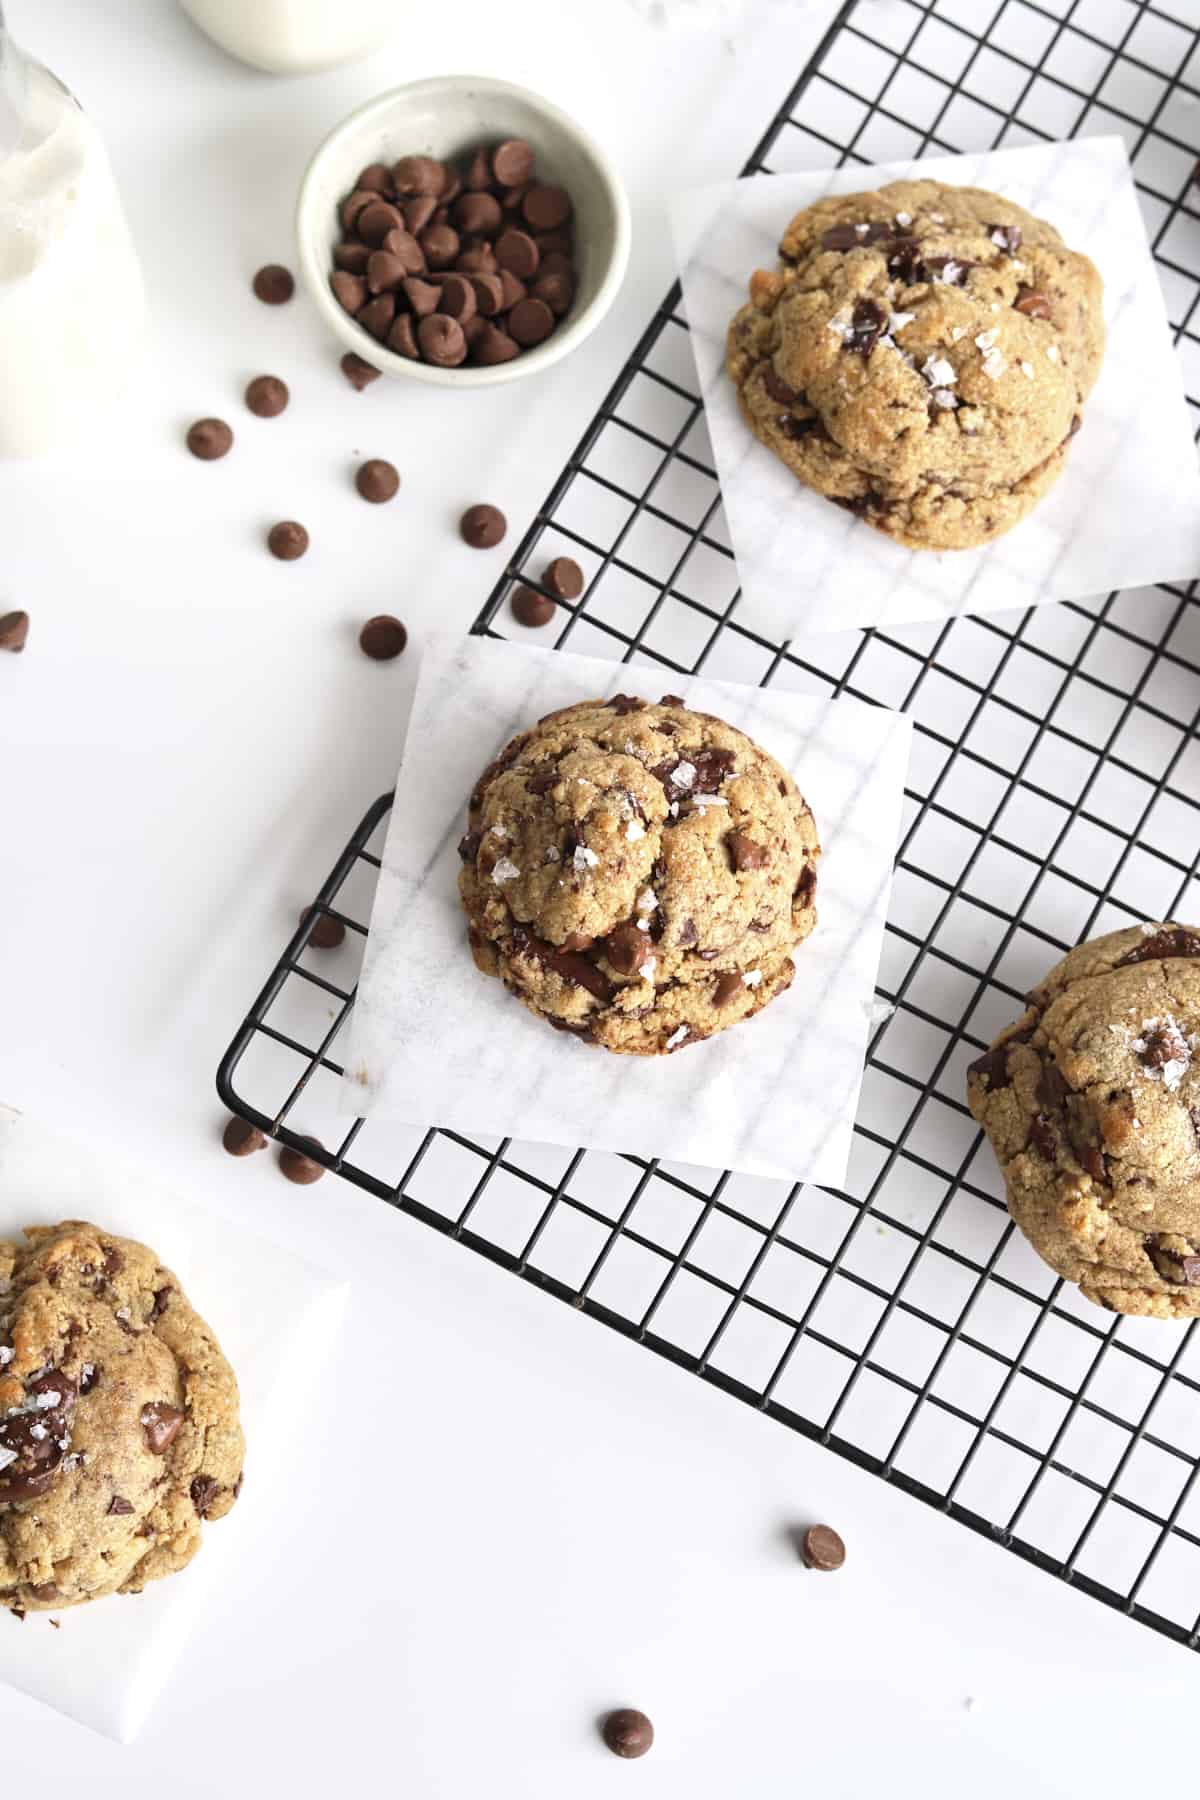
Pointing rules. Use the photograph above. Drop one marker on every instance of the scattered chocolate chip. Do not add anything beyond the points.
(119, 1508)
(204, 1490)
(868, 322)
(532, 608)
(327, 933)
(377, 481)
(1172, 940)
(299, 1168)
(482, 526)
(288, 540)
(1032, 303)
(1042, 1137)
(564, 578)
(728, 987)
(358, 372)
(382, 638)
(745, 853)
(627, 948)
(274, 284)
(210, 439)
(441, 341)
(241, 1138)
(14, 631)
(161, 1425)
(627, 1732)
(267, 396)
(822, 1548)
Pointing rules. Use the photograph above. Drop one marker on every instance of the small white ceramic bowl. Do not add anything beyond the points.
(445, 117)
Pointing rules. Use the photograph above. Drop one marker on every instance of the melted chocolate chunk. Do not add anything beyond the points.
(806, 887)
(713, 767)
(904, 261)
(37, 1436)
(868, 322)
(626, 703)
(1042, 1137)
(1173, 940)
(543, 779)
(727, 988)
(793, 427)
(118, 1508)
(1094, 1162)
(161, 1302)
(744, 853)
(947, 271)
(627, 948)
(673, 700)
(1164, 1044)
(114, 1260)
(566, 964)
(1179, 1266)
(779, 389)
(1032, 303)
(161, 1424)
(204, 1490)
(852, 237)
(992, 1068)
(1052, 1087)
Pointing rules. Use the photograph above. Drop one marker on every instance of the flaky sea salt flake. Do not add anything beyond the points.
(994, 365)
(505, 870)
(635, 830)
(683, 775)
(939, 372)
(1027, 369)
(647, 901)
(584, 858)
(6, 1456)
(677, 1037)
(752, 978)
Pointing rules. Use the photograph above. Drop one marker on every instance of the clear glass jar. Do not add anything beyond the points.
(72, 306)
(295, 37)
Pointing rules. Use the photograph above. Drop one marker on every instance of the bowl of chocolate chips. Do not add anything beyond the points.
(462, 231)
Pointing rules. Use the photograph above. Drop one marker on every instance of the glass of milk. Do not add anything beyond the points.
(71, 300)
(295, 37)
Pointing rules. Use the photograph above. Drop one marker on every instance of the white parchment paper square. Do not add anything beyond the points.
(434, 1042)
(1124, 513)
(107, 1662)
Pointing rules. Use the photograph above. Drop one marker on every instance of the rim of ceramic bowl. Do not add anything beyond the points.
(531, 362)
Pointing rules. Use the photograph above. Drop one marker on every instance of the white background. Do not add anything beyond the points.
(506, 1519)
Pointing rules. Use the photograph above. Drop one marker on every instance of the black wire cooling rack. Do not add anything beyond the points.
(1053, 793)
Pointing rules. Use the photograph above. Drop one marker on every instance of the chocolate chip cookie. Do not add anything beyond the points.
(119, 1427)
(921, 356)
(1092, 1104)
(638, 874)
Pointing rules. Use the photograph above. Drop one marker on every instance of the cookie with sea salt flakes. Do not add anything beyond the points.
(119, 1426)
(638, 874)
(1092, 1104)
(921, 356)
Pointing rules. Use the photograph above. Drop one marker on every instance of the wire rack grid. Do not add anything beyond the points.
(1053, 793)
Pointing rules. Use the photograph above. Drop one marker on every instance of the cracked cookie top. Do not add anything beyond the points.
(638, 874)
(921, 356)
(119, 1428)
(1092, 1104)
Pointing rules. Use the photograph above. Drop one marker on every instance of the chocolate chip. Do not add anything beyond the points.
(479, 172)
(359, 373)
(1007, 237)
(489, 294)
(478, 214)
(458, 298)
(441, 341)
(779, 389)
(626, 703)
(577, 940)
(840, 237)
(1164, 1043)
(477, 259)
(377, 481)
(353, 258)
(350, 291)
(712, 765)
(822, 1548)
(1033, 304)
(1171, 941)
(14, 631)
(482, 527)
(806, 887)
(299, 1168)
(532, 608)
(402, 338)
(354, 205)
(241, 1138)
(868, 323)
(377, 315)
(905, 263)
(546, 208)
(576, 970)
(728, 988)
(1042, 1137)
(327, 932)
(382, 638)
(556, 291)
(267, 396)
(118, 1508)
(494, 346)
(1094, 1162)
(687, 935)
(627, 1732)
(418, 175)
(627, 948)
(204, 1490)
(1053, 1087)
(385, 272)
(161, 1424)
(542, 780)
(441, 245)
(673, 700)
(517, 252)
(530, 322)
(745, 853)
(992, 1068)
(210, 439)
(512, 162)
(376, 220)
(376, 178)
(564, 578)
(162, 1299)
(274, 284)
(287, 540)
(793, 427)
(418, 212)
(468, 845)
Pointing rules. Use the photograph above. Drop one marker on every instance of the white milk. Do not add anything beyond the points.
(71, 300)
(293, 37)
